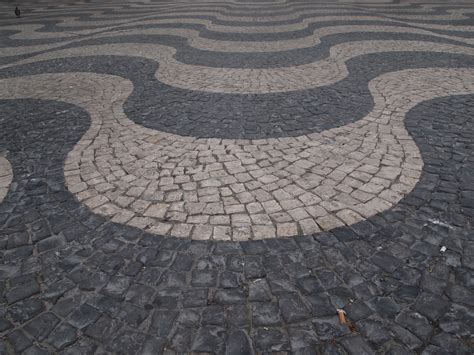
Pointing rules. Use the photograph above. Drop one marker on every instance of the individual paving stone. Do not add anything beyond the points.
(329, 279)
(22, 291)
(238, 316)
(303, 339)
(150, 276)
(163, 258)
(62, 336)
(195, 298)
(83, 316)
(5, 324)
(106, 304)
(83, 346)
(57, 289)
(433, 284)
(386, 261)
(132, 269)
(52, 242)
(112, 264)
(280, 283)
(238, 343)
(229, 280)
(265, 314)
(253, 268)
(460, 294)
(386, 306)
(132, 314)
(416, 323)
(25, 310)
(358, 310)
(406, 293)
(375, 331)
(140, 295)
(117, 286)
(41, 326)
(93, 282)
(431, 306)
(19, 340)
(329, 327)
(174, 279)
(447, 341)
(3, 347)
(152, 345)
(181, 339)
(309, 285)
(211, 262)
(356, 345)
(407, 338)
(254, 247)
(103, 329)
(209, 339)
(292, 308)
(65, 306)
(189, 318)
(147, 256)
(456, 320)
(229, 296)
(182, 262)
(259, 290)
(162, 321)
(271, 340)
(432, 349)
(340, 296)
(36, 350)
(17, 240)
(213, 315)
(166, 299)
(127, 341)
(204, 278)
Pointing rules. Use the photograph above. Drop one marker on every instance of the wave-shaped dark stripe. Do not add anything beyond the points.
(210, 34)
(186, 112)
(190, 55)
(85, 18)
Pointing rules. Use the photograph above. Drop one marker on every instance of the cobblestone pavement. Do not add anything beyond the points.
(223, 176)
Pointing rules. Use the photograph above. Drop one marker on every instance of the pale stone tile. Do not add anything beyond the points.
(160, 228)
(241, 233)
(287, 229)
(309, 226)
(202, 232)
(328, 222)
(349, 217)
(222, 233)
(263, 232)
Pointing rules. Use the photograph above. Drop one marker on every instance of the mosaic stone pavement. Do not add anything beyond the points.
(222, 176)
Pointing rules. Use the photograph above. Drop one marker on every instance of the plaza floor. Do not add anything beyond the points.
(229, 177)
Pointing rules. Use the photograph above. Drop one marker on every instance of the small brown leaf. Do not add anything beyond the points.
(342, 316)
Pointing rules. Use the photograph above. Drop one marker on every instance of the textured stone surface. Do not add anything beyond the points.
(221, 177)
(5, 176)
